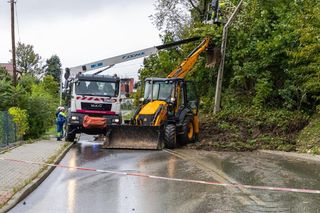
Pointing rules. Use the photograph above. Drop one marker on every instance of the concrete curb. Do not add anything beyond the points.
(23, 193)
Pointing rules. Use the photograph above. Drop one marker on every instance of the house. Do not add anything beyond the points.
(126, 85)
(9, 68)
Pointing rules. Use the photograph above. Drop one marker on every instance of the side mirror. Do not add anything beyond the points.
(67, 73)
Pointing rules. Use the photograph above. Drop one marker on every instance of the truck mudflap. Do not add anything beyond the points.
(134, 137)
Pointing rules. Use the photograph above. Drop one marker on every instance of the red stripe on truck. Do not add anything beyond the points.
(95, 112)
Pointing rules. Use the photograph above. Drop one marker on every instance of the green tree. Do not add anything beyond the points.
(53, 67)
(274, 54)
(40, 104)
(51, 86)
(26, 81)
(6, 94)
(27, 60)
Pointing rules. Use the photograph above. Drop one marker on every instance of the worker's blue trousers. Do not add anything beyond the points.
(59, 130)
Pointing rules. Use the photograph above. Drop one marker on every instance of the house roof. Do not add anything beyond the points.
(8, 67)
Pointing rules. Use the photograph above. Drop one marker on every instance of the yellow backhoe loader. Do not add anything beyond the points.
(168, 113)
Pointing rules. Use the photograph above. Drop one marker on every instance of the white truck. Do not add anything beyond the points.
(94, 100)
(94, 104)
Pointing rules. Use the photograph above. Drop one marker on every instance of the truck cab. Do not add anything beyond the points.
(95, 97)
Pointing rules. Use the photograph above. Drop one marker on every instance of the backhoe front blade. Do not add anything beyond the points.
(134, 137)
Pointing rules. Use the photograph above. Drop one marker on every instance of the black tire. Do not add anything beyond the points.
(188, 135)
(170, 139)
(70, 134)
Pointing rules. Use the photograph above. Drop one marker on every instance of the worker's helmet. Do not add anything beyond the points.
(60, 108)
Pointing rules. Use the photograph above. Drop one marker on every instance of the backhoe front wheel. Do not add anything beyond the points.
(70, 134)
(188, 135)
(170, 139)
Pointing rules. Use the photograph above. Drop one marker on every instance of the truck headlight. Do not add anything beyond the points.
(116, 120)
(74, 118)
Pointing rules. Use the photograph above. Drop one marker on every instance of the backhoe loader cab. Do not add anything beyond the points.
(172, 104)
(167, 117)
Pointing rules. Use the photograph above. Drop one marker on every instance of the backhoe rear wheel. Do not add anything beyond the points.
(170, 139)
(188, 135)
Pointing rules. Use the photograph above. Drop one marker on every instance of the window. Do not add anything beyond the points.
(192, 95)
(162, 90)
(97, 88)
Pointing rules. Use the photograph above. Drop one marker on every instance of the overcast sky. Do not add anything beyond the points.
(81, 31)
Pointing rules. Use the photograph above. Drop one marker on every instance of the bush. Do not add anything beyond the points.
(40, 103)
(40, 116)
(20, 118)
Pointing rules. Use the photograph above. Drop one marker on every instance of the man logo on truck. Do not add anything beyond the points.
(96, 105)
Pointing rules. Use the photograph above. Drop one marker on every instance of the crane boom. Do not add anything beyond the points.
(73, 71)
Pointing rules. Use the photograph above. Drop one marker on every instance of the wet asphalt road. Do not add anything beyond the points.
(70, 190)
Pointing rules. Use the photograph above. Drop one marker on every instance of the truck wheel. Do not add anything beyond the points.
(70, 134)
(170, 140)
(188, 135)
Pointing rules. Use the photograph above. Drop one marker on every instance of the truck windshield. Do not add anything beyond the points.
(162, 90)
(97, 88)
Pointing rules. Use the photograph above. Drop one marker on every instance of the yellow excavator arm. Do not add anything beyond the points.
(188, 63)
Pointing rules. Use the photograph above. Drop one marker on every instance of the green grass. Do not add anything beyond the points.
(309, 138)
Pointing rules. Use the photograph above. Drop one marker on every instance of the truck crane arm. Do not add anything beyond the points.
(109, 62)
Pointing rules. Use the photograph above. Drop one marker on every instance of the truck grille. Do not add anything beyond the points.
(96, 106)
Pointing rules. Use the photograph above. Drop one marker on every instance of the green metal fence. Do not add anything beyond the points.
(8, 130)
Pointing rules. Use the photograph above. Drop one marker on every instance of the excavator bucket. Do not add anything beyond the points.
(134, 137)
(213, 56)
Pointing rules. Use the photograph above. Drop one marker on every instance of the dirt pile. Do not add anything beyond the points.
(238, 134)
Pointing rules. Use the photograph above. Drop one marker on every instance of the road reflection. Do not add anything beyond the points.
(71, 185)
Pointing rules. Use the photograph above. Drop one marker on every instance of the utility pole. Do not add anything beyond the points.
(217, 99)
(14, 81)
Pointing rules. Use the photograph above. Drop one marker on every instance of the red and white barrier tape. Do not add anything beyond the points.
(235, 185)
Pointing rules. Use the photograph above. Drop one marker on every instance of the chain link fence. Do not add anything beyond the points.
(8, 130)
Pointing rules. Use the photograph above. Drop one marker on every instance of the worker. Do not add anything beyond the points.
(58, 111)
(60, 120)
(216, 14)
